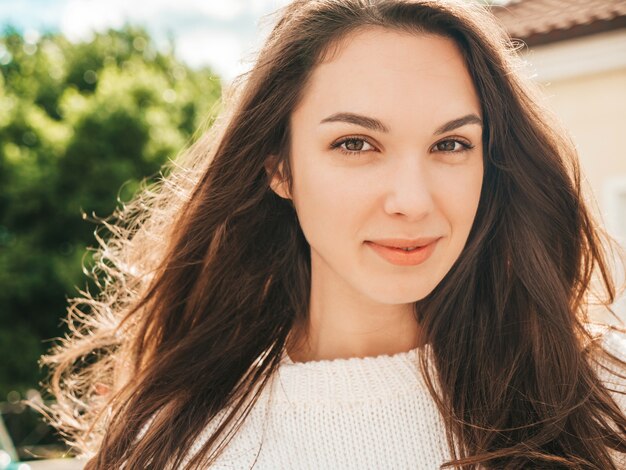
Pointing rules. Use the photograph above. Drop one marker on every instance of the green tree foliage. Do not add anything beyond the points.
(80, 125)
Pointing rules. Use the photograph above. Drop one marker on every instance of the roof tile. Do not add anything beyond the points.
(525, 18)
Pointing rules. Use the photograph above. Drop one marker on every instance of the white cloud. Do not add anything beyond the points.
(223, 10)
(219, 49)
(261, 7)
(221, 33)
(81, 17)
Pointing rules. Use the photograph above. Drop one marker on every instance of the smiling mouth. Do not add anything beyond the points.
(404, 255)
(405, 243)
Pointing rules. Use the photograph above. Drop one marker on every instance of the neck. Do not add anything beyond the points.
(342, 323)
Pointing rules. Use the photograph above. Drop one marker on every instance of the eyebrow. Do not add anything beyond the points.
(376, 125)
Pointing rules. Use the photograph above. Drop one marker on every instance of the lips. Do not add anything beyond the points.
(404, 252)
(404, 242)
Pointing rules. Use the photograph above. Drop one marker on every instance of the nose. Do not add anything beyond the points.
(409, 190)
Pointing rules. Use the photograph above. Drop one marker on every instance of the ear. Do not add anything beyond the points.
(276, 178)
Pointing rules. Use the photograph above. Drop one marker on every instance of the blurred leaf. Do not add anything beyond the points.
(77, 123)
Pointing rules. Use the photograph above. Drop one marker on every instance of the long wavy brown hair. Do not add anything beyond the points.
(204, 275)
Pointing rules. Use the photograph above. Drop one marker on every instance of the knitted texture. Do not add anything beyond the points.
(356, 413)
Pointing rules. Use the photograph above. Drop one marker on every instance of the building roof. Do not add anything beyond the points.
(546, 21)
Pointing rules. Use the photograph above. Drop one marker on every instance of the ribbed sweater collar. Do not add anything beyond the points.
(350, 380)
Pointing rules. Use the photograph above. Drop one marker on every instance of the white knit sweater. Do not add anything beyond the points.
(357, 413)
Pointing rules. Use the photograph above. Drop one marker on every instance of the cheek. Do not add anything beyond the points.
(458, 193)
(326, 201)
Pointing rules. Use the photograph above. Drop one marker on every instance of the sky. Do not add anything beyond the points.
(223, 34)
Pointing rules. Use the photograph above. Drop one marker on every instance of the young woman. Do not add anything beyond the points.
(380, 257)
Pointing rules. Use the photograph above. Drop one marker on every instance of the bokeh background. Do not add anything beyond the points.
(96, 95)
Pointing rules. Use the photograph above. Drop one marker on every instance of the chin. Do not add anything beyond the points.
(395, 294)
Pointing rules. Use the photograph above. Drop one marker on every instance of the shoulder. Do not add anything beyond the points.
(612, 373)
(613, 342)
(609, 363)
(238, 443)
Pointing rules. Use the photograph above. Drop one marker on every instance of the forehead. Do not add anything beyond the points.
(394, 75)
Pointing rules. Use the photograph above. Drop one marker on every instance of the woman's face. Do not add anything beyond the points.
(386, 151)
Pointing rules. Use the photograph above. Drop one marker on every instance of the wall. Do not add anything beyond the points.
(584, 82)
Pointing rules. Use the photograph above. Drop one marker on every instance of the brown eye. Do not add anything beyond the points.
(354, 144)
(452, 146)
(447, 146)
